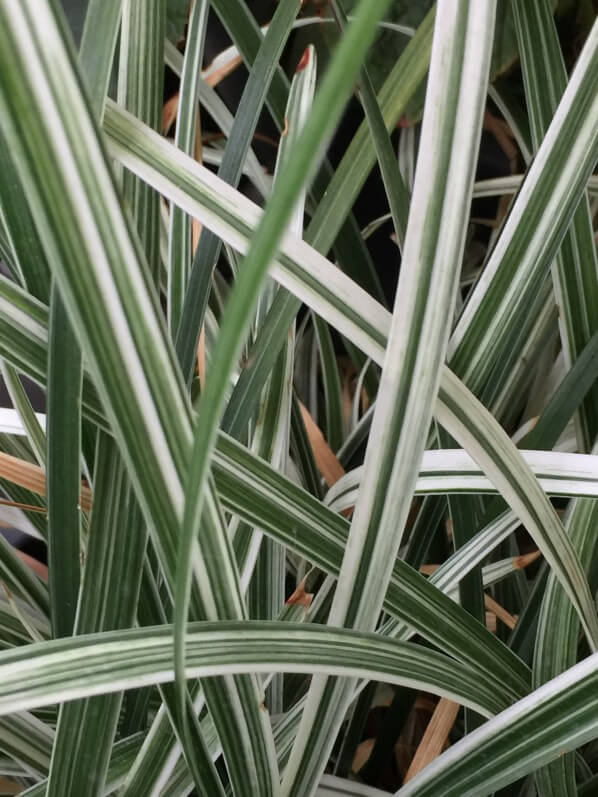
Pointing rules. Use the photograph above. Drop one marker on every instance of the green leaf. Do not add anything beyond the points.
(332, 384)
(338, 787)
(530, 359)
(565, 399)
(220, 113)
(177, 13)
(558, 636)
(237, 147)
(87, 269)
(180, 252)
(83, 666)
(140, 89)
(108, 601)
(399, 87)
(21, 235)
(29, 740)
(63, 458)
(326, 110)
(19, 579)
(350, 248)
(120, 761)
(267, 500)
(270, 440)
(575, 273)
(489, 444)
(535, 227)
(21, 403)
(233, 217)
(574, 277)
(102, 22)
(106, 286)
(454, 471)
(413, 360)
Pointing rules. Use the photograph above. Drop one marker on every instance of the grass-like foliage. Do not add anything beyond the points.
(305, 451)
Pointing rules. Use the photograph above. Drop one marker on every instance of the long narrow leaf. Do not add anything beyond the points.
(86, 729)
(63, 457)
(140, 88)
(180, 251)
(84, 666)
(326, 110)
(230, 171)
(106, 286)
(534, 229)
(22, 405)
(575, 273)
(302, 523)
(415, 352)
(102, 22)
(371, 324)
(490, 445)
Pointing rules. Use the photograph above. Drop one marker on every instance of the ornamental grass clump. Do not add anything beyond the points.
(299, 336)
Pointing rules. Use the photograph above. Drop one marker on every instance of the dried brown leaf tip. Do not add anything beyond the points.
(169, 113)
(300, 597)
(326, 460)
(525, 559)
(304, 60)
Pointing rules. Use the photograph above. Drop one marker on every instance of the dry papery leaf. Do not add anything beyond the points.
(435, 737)
(33, 478)
(502, 614)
